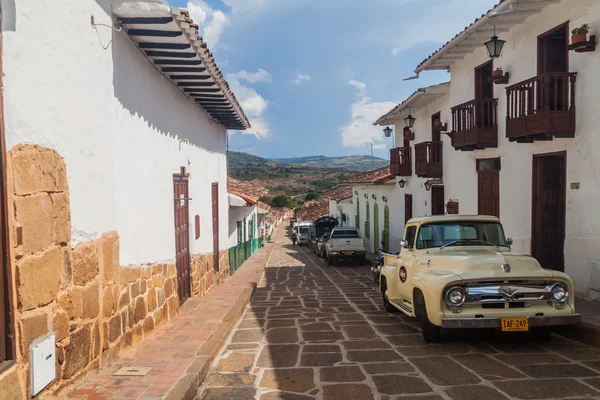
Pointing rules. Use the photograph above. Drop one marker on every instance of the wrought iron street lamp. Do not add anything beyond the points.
(494, 46)
(401, 183)
(428, 186)
(387, 131)
(410, 120)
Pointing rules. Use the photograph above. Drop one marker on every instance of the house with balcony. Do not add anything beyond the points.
(340, 204)
(521, 122)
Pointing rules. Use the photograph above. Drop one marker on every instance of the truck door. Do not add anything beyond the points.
(407, 265)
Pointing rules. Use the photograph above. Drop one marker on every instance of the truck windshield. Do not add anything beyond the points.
(461, 233)
(345, 234)
(304, 230)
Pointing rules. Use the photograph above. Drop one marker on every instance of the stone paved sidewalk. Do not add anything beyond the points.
(180, 352)
(312, 331)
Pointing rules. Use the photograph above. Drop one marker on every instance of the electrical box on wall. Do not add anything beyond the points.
(43, 370)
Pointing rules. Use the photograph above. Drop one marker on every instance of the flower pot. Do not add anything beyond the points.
(578, 38)
(497, 74)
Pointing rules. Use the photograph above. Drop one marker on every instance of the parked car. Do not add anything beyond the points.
(458, 272)
(346, 244)
(303, 233)
(320, 227)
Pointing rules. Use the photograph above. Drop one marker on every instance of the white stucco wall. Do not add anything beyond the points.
(241, 214)
(519, 58)
(117, 123)
(379, 191)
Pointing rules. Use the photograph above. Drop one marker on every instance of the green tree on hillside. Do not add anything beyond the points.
(312, 195)
(283, 201)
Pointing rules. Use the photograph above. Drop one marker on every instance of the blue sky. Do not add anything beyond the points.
(313, 75)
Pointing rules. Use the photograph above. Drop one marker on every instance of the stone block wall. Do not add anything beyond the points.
(94, 306)
(203, 273)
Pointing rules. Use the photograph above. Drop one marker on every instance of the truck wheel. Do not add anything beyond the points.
(329, 260)
(387, 306)
(431, 332)
(541, 334)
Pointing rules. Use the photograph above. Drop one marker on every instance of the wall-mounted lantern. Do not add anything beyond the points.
(356, 192)
(401, 183)
(384, 199)
(410, 120)
(374, 197)
(387, 131)
(366, 196)
(494, 46)
(428, 186)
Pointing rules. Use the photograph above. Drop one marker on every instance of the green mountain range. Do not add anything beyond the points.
(351, 163)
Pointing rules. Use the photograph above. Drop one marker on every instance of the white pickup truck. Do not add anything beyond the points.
(346, 244)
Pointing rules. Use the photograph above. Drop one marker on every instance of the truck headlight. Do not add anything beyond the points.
(559, 293)
(455, 296)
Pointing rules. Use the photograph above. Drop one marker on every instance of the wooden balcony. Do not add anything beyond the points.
(429, 159)
(401, 161)
(475, 125)
(541, 108)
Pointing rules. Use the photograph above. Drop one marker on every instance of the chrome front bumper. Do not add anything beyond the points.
(462, 323)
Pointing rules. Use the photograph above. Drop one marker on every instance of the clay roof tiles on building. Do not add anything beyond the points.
(380, 175)
(246, 190)
(338, 193)
(314, 211)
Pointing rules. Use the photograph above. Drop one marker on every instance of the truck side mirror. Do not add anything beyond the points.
(509, 241)
(404, 244)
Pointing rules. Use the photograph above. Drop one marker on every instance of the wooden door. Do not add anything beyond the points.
(182, 234)
(437, 200)
(488, 192)
(408, 207)
(436, 134)
(548, 210)
(553, 56)
(215, 225)
(484, 89)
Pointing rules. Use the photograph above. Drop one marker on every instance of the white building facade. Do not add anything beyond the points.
(521, 145)
(114, 124)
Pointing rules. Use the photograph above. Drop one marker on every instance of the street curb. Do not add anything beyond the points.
(187, 385)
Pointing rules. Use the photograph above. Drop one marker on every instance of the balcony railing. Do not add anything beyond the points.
(541, 107)
(428, 159)
(475, 125)
(401, 161)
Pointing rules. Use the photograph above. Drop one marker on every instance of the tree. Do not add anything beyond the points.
(283, 201)
(312, 195)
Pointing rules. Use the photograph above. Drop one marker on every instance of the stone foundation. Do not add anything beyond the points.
(94, 306)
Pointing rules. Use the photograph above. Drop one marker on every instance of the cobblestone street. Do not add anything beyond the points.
(314, 331)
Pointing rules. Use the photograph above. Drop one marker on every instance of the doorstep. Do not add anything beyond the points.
(588, 331)
(181, 351)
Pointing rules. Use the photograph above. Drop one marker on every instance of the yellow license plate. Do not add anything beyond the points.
(515, 324)
(348, 253)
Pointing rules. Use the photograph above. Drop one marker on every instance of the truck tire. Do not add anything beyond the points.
(330, 260)
(387, 306)
(431, 332)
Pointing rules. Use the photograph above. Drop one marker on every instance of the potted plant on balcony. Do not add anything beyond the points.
(579, 35)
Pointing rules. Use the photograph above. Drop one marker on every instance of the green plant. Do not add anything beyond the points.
(583, 29)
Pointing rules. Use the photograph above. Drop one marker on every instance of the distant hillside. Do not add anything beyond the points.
(352, 163)
(282, 178)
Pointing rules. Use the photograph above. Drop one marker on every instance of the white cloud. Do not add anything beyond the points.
(395, 51)
(301, 78)
(361, 86)
(253, 104)
(259, 76)
(212, 22)
(361, 131)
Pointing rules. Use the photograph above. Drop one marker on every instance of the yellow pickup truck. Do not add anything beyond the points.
(458, 272)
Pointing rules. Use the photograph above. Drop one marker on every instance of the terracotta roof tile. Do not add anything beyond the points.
(338, 193)
(380, 175)
(314, 211)
(250, 192)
